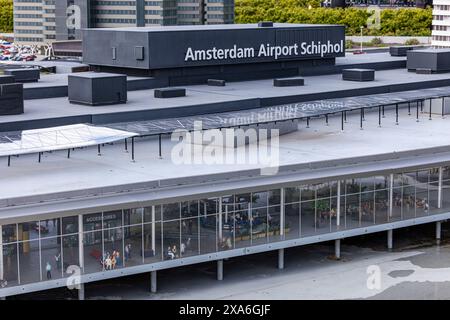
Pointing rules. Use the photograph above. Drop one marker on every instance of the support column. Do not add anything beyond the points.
(337, 249)
(80, 255)
(281, 259)
(440, 189)
(338, 206)
(438, 232)
(391, 194)
(81, 291)
(282, 214)
(220, 270)
(1, 254)
(389, 239)
(153, 282)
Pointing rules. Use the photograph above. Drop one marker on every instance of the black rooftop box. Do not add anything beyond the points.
(437, 60)
(96, 89)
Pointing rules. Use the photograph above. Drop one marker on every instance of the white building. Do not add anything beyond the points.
(441, 23)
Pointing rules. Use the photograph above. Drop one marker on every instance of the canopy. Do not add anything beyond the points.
(58, 138)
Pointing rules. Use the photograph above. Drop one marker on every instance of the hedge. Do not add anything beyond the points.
(394, 22)
(6, 16)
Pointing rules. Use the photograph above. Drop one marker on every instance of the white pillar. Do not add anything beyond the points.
(338, 209)
(81, 254)
(391, 194)
(281, 259)
(153, 231)
(80, 242)
(389, 239)
(438, 232)
(1, 254)
(81, 292)
(220, 221)
(282, 217)
(220, 270)
(337, 248)
(153, 282)
(440, 189)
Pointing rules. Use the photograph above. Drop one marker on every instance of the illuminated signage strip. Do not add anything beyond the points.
(265, 51)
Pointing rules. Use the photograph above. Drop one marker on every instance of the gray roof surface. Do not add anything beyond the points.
(212, 27)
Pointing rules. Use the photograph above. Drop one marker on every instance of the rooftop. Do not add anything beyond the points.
(213, 27)
(85, 169)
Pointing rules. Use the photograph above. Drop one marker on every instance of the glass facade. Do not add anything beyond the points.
(42, 250)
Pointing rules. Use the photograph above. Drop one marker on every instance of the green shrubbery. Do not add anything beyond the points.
(6, 15)
(394, 22)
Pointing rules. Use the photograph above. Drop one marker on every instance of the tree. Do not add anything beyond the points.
(6, 16)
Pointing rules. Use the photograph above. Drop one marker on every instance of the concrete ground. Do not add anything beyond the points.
(416, 269)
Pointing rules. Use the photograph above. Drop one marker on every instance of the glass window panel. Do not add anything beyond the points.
(307, 193)
(396, 205)
(48, 228)
(9, 233)
(446, 172)
(29, 264)
(434, 174)
(112, 219)
(367, 183)
(260, 199)
(398, 180)
(171, 211)
(10, 266)
(51, 252)
(381, 182)
(242, 229)
(71, 255)
(352, 211)
(113, 247)
(189, 209)
(423, 176)
(308, 223)
(208, 237)
(132, 216)
(92, 222)
(292, 221)
(333, 213)
(446, 196)
(28, 231)
(259, 226)
(433, 196)
(333, 188)
(352, 186)
(381, 206)
(148, 213)
(152, 242)
(342, 221)
(422, 200)
(408, 203)
(209, 206)
(132, 246)
(69, 225)
(274, 197)
(367, 208)
(93, 251)
(171, 240)
(189, 237)
(323, 215)
(242, 201)
(228, 203)
(291, 195)
(410, 178)
(273, 224)
(227, 241)
(323, 190)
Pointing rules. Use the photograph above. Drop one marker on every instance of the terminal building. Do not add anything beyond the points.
(45, 21)
(92, 187)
